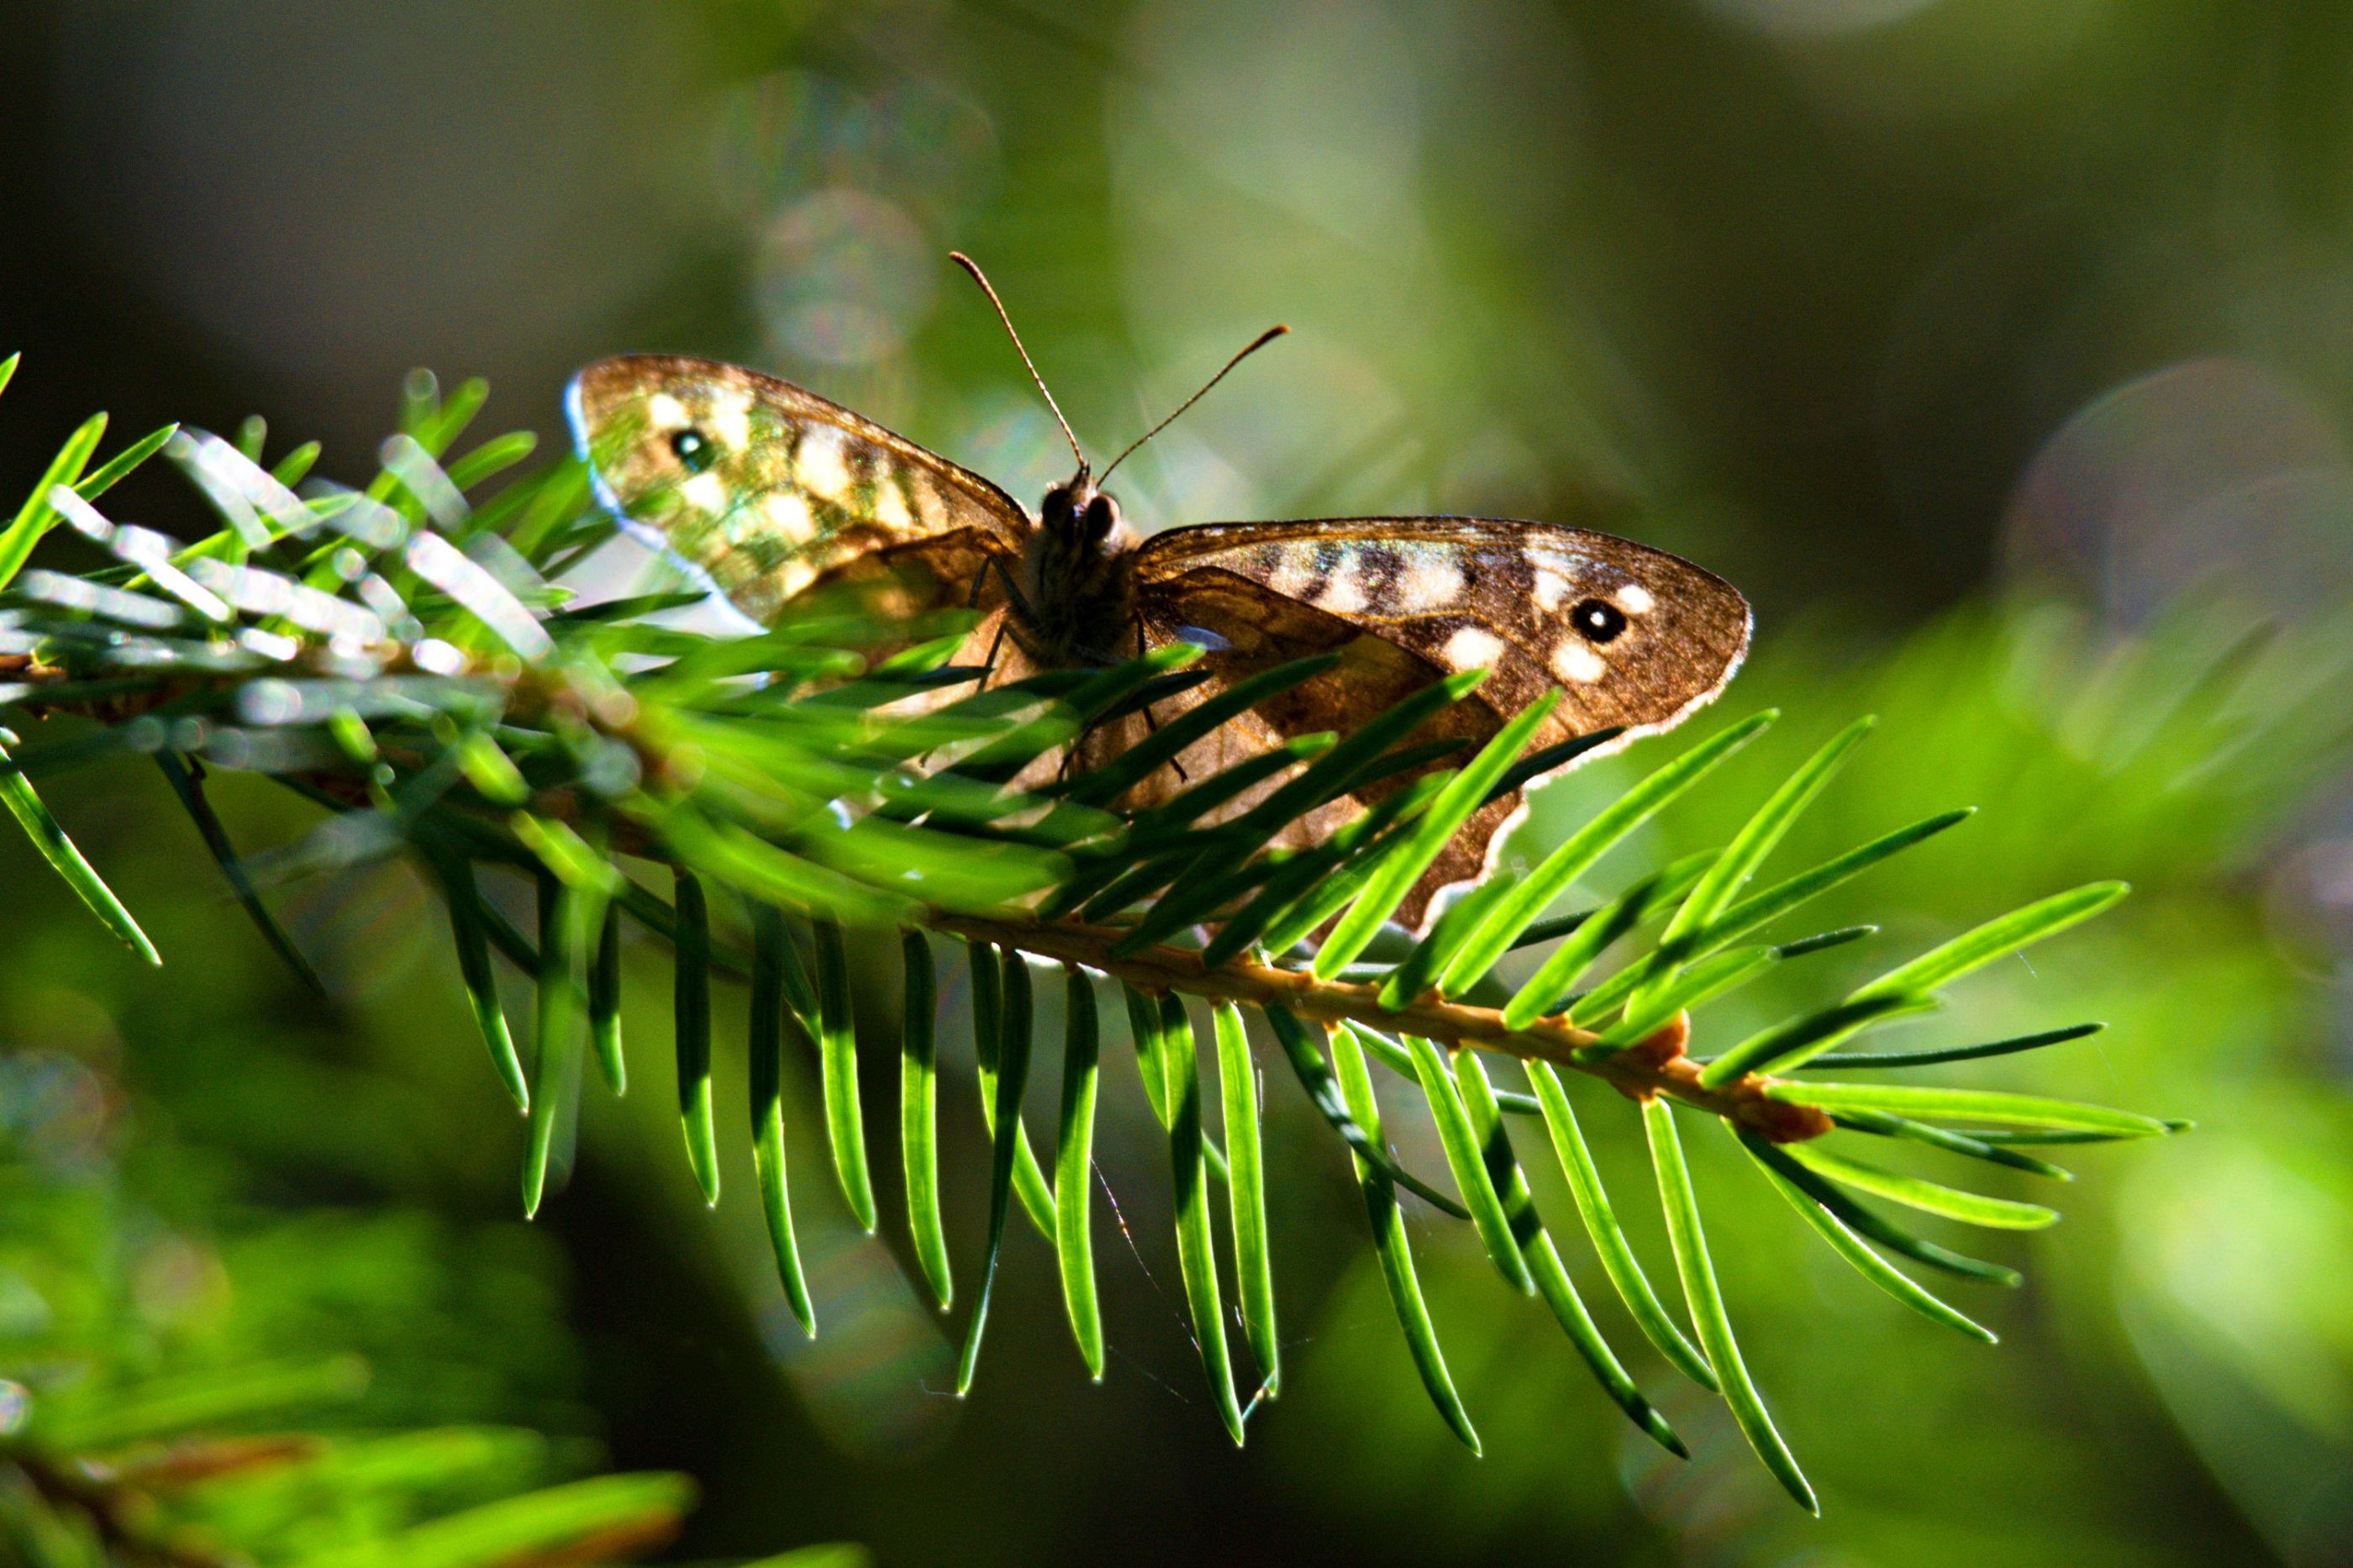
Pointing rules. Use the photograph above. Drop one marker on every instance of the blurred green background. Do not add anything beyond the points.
(1998, 349)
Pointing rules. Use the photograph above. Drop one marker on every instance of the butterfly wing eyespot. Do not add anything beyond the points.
(694, 451)
(1598, 621)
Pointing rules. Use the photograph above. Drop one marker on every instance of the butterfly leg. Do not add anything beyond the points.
(1077, 742)
(1150, 724)
(1014, 596)
(1012, 589)
(988, 665)
(1107, 657)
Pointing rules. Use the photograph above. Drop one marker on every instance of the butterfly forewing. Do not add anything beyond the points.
(771, 491)
(1632, 637)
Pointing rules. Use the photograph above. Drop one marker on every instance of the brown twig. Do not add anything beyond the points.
(1655, 1066)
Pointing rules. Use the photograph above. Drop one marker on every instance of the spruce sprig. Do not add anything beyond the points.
(409, 657)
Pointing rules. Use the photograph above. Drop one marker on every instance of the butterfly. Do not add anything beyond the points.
(774, 494)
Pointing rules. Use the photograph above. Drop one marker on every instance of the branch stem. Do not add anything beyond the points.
(1655, 1066)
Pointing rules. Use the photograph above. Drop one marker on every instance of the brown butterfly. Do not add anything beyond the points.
(771, 493)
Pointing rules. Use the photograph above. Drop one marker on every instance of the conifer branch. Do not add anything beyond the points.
(409, 657)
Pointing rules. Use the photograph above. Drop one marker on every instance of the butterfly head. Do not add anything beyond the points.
(1078, 521)
(1082, 519)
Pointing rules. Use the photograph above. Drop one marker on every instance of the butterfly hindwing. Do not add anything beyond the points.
(1631, 637)
(1245, 627)
(770, 491)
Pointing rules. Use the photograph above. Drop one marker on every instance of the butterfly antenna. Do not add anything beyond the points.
(1256, 343)
(969, 265)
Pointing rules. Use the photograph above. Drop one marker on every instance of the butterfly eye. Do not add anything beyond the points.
(1597, 620)
(694, 451)
(1103, 515)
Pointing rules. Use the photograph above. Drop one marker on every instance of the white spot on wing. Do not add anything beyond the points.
(1344, 593)
(1294, 573)
(890, 507)
(730, 422)
(1429, 586)
(928, 505)
(1635, 599)
(1551, 588)
(1573, 661)
(786, 512)
(1472, 648)
(819, 467)
(705, 493)
(666, 412)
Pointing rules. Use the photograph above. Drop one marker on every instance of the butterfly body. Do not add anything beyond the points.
(1077, 604)
(771, 492)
